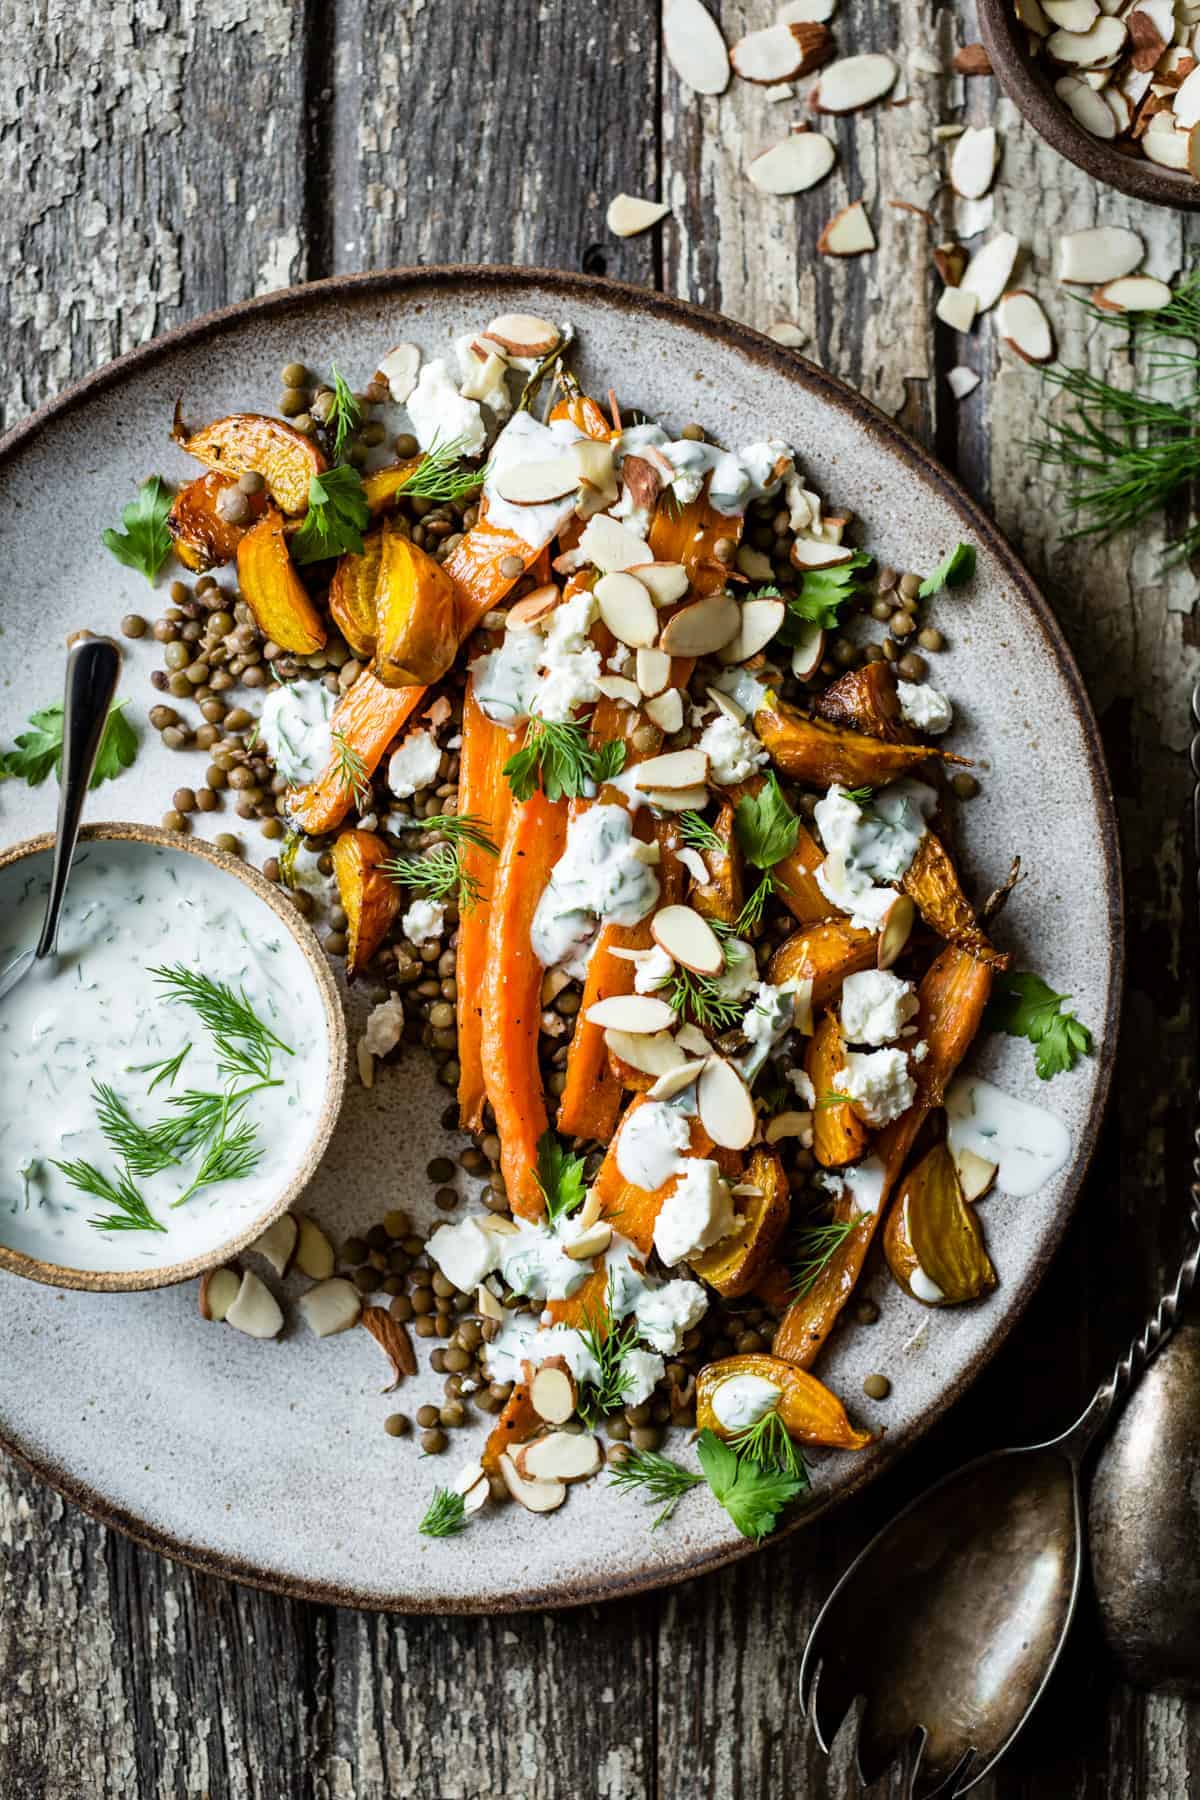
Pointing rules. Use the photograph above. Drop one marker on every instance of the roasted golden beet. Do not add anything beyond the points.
(722, 895)
(369, 900)
(274, 592)
(839, 1135)
(381, 486)
(202, 538)
(352, 595)
(796, 880)
(738, 1263)
(932, 1240)
(932, 883)
(808, 1411)
(865, 700)
(818, 754)
(252, 443)
(416, 614)
(824, 954)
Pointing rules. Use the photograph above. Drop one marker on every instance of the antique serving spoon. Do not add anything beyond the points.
(93, 665)
(952, 1619)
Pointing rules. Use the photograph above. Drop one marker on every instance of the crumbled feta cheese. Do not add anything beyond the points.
(666, 1314)
(465, 1253)
(385, 1024)
(414, 764)
(294, 726)
(733, 752)
(806, 1093)
(878, 1082)
(485, 377)
(742, 1400)
(697, 1213)
(643, 1370)
(865, 844)
(439, 413)
(620, 659)
(424, 921)
(570, 664)
(919, 1051)
(652, 971)
(924, 708)
(876, 1005)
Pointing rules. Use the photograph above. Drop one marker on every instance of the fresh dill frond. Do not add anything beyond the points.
(438, 875)
(345, 413)
(557, 757)
(244, 1043)
(814, 1247)
(445, 1516)
(699, 998)
(130, 1212)
(750, 919)
(199, 1113)
(861, 796)
(350, 770)
(768, 1445)
(232, 1153)
(442, 474)
(610, 1344)
(659, 1480)
(833, 1098)
(166, 1070)
(463, 828)
(144, 1149)
(336, 518)
(696, 831)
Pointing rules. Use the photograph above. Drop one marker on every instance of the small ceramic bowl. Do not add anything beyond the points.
(1029, 84)
(36, 1239)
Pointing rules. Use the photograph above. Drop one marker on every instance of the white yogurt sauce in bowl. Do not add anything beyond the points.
(141, 900)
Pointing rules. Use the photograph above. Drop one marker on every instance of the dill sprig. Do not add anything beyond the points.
(861, 796)
(130, 1212)
(463, 828)
(610, 1344)
(345, 413)
(232, 1153)
(438, 875)
(698, 997)
(445, 1516)
(697, 832)
(815, 1246)
(442, 474)
(144, 1149)
(657, 1478)
(750, 919)
(557, 757)
(166, 1070)
(350, 770)
(244, 1043)
(768, 1446)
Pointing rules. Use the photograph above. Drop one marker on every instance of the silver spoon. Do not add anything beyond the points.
(93, 665)
(951, 1621)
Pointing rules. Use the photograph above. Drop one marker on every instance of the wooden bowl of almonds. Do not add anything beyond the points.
(1115, 89)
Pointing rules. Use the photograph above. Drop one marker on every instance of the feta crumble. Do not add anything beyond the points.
(439, 413)
(424, 921)
(876, 1005)
(414, 764)
(924, 708)
(733, 752)
(878, 1082)
(697, 1213)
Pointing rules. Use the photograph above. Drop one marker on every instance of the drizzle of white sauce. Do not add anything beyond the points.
(1029, 1144)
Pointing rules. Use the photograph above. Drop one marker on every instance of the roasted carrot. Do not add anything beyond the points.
(796, 880)
(689, 535)
(818, 754)
(485, 795)
(865, 700)
(824, 954)
(512, 986)
(516, 1424)
(931, 881)
(839, 1135)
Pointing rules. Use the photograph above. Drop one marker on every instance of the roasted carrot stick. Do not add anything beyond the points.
(839, 1135)
(796, 880)
(865, 700)
(689, 535)
(931, 881)
(512, 987)
(485, 794)
(824, 954)
(818, 754)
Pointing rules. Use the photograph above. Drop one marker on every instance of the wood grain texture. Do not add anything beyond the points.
(160, 161)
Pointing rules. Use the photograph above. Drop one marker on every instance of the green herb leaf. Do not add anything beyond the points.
(815, 1245)
(823, 593)
(144, 1149)
(446, 1515)
(610, 1345)
(753, 1497)
(697, 832)
(861, 796)
(38, 751)
(166, 1070)
(699, 998)
(337, 516)
(442, 474)
(438, 875)
(145, 543)
(232, 1153)
(749, 920)
(765, 824)
(350, 770)
(463, 828)
(345, 414)
(244, 1043)
(560, 1177)
(130, 1212)
(656, 1478)
(558, 758)
(1023, 1005)
(768, 1445)
(958, 568)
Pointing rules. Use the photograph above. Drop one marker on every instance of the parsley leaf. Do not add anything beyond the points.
(337, 516)
(38, 752)
(558, 758)
(958, 567)
(823, 592)
(560, 1178)
(145, 543)
(753, 1497)
(765, 825)
(1023, 1005)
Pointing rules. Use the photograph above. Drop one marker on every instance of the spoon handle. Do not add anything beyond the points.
(93, 665)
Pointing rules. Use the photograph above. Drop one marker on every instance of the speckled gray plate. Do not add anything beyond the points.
(267, 1461)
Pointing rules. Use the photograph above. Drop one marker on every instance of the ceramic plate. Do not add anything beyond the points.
(268, 1461)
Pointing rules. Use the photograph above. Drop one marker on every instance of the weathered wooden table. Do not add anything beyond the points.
(160, 160)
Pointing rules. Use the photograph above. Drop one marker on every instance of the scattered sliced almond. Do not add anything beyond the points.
(665, 582)
(677, 799)
(1089, 108)
(666, 710)
(486, 1303)
(781, 52)
(895, 931)
(627, 215)
(654, 1055)
(726, 703)
(365, 1062)
(989, 271)
(818, 553)
(612, 546)
(1099, 253)
(639, 1014)
(725, 1105)
(559, 1456)
(677, 769)
(956, 308)
(1071, 15)
(693, 862)
(486, 376)
(595, 464)
(961, 381)
(925, 62)
(254, 1309)
(592, 1242)
(1186, 109)
(590, 1211)
(848, 233)
(783, 331)
(853, 82)
(759, 622)
(1168, 148)
(278, 1242)
(399, 369)
(392, 1337)
(975, 1173)
(973, 162)
(694, 46)
(788, 1125)
(653, 669)
(218, 1291)
(972, 59)
(524, 334)
(799, 162)
(314, 1252)
(618, 687)
(534, 483)
(627, 609)
(675, 1080)
(1151, 28)
(693, 1040)
(1132, 293)
(702, 627)
(950, 261)
(1024, 327)
(688, 939)
(533, 608)
(330, 1307)
(1087, 49)
(808, 650)
(472, 1484)
(552, 1391)
(536, 1496)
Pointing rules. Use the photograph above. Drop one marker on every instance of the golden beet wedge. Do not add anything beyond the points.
(369, 900)
(722, 894)
(416, 615)
(381, 486)
(824, 954)
(252, 443)
(865, 700)
(932, 1240)
(352, 595)
(738, 1263)
(274, 592)
(202, 538)
(808, 1411)
(839, 1135)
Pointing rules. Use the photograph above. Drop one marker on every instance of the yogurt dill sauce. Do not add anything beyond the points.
(96, 1013)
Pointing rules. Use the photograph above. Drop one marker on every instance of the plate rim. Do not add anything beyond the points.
(791, 367)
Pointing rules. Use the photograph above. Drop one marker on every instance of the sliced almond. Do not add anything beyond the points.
(694, 46)
(278, 1242)
(693, 1040)
(399, 369)
(486, 1303)
(665, 582)
(799, 162)
(818, 553)
(535, 1496)
(1151, 28)
(638, 1014)
(627, 609)
(594, 463)
(688, 939)
(895, 931)
(759, 622)
(678, 799)
(972, 59)
(1187, 102)
(950, 261)
(1071, 15)
(654, 1055)
(392, 1337)
(254, 1309)
(956, 308)
(524, 334)
(961, 381)
(498, 1225)
(532, 608)
(1087, 107)
(1024, 326)
(533, 483)
(314, 1252)
(975, 1173)
(612, 546)
(1033, 17)
(1087, 49)
(1168, 148)
(989, 271)
(702, 627)
(783, 331)
(486, 376)
(726, 703)
(675, 1080)
(559, 1456)
(552, 1391)
(808, 650)
(653, 668)
(848, 233)
(855, 81)
(666, 710)
(1099, 253)
(725, 1106)
(677, 769)
(592, 1242)
(788, 1125)
(973, 163)
(330, 1307)
(781, 52)
(218, 1291)
(472, 1484)
(1132, 293)
(618, 687)
(627, 214)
